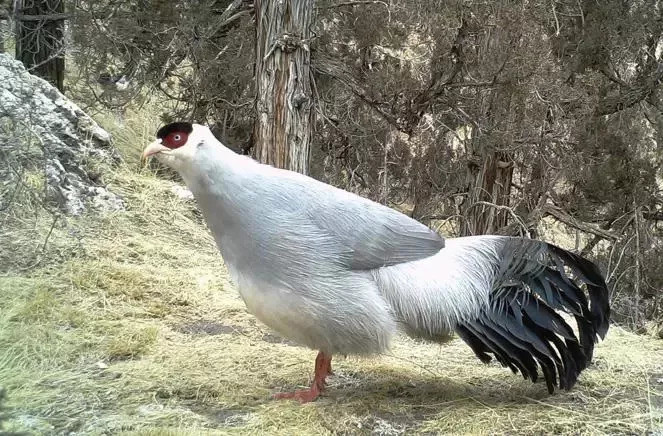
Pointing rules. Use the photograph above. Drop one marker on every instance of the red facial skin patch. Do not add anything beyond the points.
(175, 140)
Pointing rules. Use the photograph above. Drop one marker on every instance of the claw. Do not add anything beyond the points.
(322, 370)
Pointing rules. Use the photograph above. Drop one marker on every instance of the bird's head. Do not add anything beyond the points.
(177, 144)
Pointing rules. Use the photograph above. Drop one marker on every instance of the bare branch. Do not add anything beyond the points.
(43, 17)
(554, 11)
(563, 217)
(612, 76)
(501, 207)
(354, 3)
(337, 70)
(633, 95)
(234, 11)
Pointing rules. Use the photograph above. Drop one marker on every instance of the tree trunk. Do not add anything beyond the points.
(488, 194)
(5, 6)
(490, 163)
(284, 103)
(40, 38)
(489, 170)
(3, 24)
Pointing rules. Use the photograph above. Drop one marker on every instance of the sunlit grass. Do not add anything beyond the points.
(128, 325)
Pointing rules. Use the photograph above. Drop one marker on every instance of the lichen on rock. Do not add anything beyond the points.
(42, 130)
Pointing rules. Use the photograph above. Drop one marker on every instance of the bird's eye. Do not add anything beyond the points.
(175, 140)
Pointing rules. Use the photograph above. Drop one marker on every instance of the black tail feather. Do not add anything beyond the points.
(475, 343)
(521, 325)
(598, 294)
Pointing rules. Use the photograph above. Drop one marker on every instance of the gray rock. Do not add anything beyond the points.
(39, 124)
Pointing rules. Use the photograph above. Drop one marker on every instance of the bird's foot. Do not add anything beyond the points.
(322, 370)
(301, 395)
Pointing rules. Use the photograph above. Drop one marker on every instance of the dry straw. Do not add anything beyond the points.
(128, 325)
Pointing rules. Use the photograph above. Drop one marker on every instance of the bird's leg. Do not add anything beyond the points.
(322, 370)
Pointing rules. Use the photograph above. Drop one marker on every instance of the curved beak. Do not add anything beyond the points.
(152, 149)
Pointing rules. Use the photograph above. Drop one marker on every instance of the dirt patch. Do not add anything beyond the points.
(224, 417)
(391, 424)
(210, 328)
(380, 426)
(274, 339)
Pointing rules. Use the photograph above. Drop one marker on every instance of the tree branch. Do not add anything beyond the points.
(355, 3)
(631, 95)
(234, 11)
(502, 207)
(327, 66)
(563, 217)
(44, 17)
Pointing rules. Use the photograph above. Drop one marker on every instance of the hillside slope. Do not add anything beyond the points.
(127, 323)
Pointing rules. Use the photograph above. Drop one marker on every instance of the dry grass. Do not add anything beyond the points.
(128, 325)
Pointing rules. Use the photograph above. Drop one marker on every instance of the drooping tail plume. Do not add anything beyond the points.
(505, 298)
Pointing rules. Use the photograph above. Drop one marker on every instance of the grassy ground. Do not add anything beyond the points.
(126, 324)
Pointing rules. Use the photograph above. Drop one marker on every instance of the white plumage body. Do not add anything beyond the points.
(341, 274)
(289, 274)
(297, 289)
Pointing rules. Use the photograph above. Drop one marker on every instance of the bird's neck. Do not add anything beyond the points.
(220, 182)
(212, 169)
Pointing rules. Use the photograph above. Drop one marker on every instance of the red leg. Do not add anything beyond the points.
(322, 370)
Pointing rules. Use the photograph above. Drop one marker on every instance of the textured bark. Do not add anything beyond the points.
(5, 30)
(490, 168)
(284, 104)
(40, 39)
(631, 95)
(489, 183)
